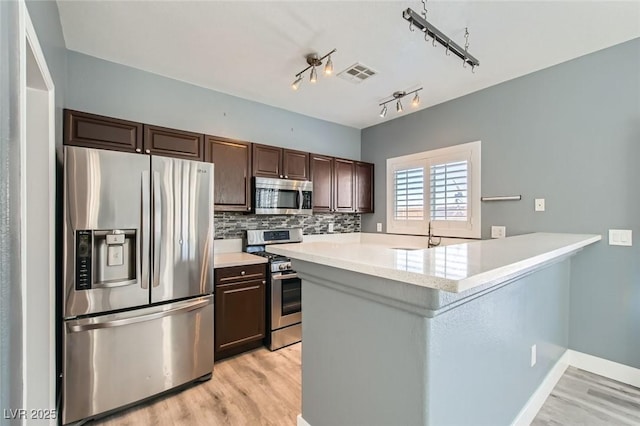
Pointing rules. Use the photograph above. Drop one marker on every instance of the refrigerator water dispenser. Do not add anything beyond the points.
(105, 258)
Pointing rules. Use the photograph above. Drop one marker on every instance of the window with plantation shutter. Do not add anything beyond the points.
(409, 194)
(448, 187)
(438, 189)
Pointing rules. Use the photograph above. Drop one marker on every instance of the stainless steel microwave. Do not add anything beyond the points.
(282, 196)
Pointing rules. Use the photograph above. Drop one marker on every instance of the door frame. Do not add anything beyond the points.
(33, 66)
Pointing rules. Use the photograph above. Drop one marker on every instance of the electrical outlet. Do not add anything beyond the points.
(533, 355)
(378, 227)
(331, 227)
(539, 204)
(498, 231)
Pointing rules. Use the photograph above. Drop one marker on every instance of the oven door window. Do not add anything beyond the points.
(291, 296)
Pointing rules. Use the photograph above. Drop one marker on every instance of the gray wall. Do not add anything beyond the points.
(569, 134)
(115, 90)
(11, 324)
(370, 363)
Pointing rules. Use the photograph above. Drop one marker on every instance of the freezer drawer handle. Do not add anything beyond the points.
(126, 321)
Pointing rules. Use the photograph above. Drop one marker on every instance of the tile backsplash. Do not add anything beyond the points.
(232, 225)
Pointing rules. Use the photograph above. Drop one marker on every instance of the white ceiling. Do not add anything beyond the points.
(254, 49)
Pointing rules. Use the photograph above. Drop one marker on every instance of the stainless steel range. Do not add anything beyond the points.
(284, 310)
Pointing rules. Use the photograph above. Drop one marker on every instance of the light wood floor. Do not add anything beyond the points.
(256, 388)
(586, 399)
(263, 388)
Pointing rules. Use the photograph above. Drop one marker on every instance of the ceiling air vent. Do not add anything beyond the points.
(357, 73)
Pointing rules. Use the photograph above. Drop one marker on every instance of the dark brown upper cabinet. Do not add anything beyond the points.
(344, 185)
(232, 171)
(273, 162)
(97, 131)
(295, 164)
(322, 178)
(173, 143)
(364, 187)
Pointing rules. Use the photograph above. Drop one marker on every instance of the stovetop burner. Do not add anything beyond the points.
(271, 256)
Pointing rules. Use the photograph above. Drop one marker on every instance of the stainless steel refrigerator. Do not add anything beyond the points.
(137, 293)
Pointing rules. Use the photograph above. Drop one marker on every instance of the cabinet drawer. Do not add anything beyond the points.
(240, 273)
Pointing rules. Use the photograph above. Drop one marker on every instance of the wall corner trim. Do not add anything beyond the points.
(604, 367)
(537, 399)
(301, 421)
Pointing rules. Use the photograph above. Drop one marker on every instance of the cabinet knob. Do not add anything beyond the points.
(286, 177)
(248, 208)
(242, 273)
(138, 150)
(264, 282)
(280, 176)
(148, 151)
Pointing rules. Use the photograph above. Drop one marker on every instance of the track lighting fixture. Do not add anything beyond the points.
(314, 61)
(416, 100)
(296, 84)
(397, 96)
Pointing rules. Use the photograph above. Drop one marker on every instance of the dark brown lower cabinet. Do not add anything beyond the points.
(240, 301)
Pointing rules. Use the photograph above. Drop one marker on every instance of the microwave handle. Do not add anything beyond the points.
(300, 199)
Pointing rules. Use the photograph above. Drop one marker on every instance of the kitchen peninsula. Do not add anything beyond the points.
(457, 334)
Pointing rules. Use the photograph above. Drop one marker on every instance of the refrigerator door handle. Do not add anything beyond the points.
(157, 228)
(133, 320)
(145, 232)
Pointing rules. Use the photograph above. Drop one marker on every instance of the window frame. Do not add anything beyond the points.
(462, 229)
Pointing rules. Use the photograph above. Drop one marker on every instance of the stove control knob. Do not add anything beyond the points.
(282, 266)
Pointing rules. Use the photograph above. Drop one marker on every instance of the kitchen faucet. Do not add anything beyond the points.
(430, 242)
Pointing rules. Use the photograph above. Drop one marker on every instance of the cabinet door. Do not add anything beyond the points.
(240, 314)
(295, 164)
(173, 143)
(364, 187)
(96, 131)
(232, 168)
(343, 184)
(322, 178)
(267, 161)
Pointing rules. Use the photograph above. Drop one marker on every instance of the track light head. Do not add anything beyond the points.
(328, 68)
(314, 75)
(296, 84)
(416, 100)
(383, 113)
(399, 106)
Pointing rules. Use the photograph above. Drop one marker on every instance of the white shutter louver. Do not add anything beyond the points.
(409, 194)
(449, 191)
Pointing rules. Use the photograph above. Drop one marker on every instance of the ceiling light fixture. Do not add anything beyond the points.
(420, 22)
(296, 84)
(314, 61)
(397, 96)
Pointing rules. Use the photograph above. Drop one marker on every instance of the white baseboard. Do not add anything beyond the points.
(301, 421)
(604, 367)
(535, 402)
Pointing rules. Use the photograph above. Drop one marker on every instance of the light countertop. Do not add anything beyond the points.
(452, 268)
(224, 260)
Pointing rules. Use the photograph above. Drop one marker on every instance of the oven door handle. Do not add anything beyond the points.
(284, 276)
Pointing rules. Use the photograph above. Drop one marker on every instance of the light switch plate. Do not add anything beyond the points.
(498, 231)
(378, 227)
(330, 227)
(539, 204)
(620, 237)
